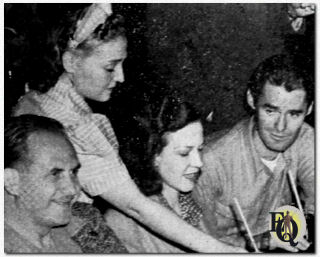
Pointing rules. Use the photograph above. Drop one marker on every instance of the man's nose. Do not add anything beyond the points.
(281, 123)
(118, 73)
(70, 185)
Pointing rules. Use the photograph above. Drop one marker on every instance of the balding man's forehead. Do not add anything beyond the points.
(49, 142)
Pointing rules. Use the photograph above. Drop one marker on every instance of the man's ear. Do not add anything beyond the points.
(250, 100)
(11, 181)
(69, 61)
(310, 108)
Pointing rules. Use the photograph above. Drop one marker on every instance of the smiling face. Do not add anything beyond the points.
(280, 115)
(95, 76)
(180, 160)
(49, 182)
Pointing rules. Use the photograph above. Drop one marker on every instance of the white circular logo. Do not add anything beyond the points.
(287, 225)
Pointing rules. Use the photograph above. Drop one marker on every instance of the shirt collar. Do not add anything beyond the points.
(65, 92)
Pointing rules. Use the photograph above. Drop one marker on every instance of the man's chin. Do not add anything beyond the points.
(60, 217)
(278, 148)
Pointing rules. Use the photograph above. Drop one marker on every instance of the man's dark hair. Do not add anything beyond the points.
(17, 131)
(281, 70)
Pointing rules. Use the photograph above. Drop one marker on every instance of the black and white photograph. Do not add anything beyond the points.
(172, 127)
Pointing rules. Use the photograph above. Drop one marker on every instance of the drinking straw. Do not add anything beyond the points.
(246, 225)
(295, 191)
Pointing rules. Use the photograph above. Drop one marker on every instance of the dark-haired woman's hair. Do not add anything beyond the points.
(18, 129)
(45, 60)
(173, 114)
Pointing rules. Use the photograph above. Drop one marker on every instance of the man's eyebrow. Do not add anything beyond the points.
(270, 106)
(57, 169)
(297, 111)
(183, 146)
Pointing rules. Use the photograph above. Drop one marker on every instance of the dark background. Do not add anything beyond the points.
(204, 52)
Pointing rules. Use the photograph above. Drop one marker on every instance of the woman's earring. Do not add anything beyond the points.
(156, 161)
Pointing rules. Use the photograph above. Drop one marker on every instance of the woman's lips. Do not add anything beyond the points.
(192, 176)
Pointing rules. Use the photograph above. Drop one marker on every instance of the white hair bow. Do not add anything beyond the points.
(95, 15)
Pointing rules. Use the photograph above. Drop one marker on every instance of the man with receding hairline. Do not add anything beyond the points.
(40, 182)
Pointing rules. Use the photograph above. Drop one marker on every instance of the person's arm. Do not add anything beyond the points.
(107, 177)
(161, 220)
(306, 180)
(102, 176)
(305, 173)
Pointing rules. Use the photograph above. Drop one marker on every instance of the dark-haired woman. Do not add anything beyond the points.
(166, 169)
